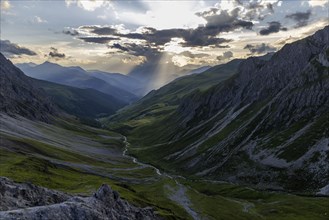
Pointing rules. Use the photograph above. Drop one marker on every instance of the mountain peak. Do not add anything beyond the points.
(49, 63)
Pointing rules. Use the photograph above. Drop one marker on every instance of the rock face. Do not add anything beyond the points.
(26, 201)
(19, 95)
(266, 125)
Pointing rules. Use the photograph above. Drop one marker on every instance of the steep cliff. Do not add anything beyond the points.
(19, 95)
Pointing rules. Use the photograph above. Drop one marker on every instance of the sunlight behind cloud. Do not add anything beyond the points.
(165, 14)
(89, 5)
(5, 5)
(174, 46)
(314, 3)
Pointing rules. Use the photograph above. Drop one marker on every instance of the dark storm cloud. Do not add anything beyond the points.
(255, 5)
(10, 49)
(254, 10)
(258, 10)
(226, 55)
(207, 35)
(98, 40)
(270, 7)
(71, 32)
(193, 55)
(152, 41)
(223, 46)
(138, 50)
(273, 27)
(224, 21)
(104, 31)
(259, 48)
(201, 36)
(200, 39)
(300, 17)
(55, 54)
(119, 47)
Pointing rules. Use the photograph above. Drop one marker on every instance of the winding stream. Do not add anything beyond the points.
(178, 195)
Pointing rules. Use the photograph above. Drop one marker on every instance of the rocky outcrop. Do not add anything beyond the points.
(267, 124)
(258, 80)
(26, 201)
(19, 196)
(19, 95)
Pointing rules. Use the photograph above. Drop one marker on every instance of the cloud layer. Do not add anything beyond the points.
(10, 49)
(301, 18)
(55, 54)
(259, 48)
(119, 35)
(273, 27)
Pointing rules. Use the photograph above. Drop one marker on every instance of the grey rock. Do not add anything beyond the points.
(265, 98)
(26, 201)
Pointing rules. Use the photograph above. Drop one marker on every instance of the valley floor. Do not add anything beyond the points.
(75, 158)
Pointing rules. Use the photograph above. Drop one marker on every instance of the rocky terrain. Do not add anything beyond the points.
(27, 201)
(260, 122)
(264, 126)
(19, 95)
(273, 116)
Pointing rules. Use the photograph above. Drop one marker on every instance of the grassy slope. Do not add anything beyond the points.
(45, 163)
(40, 162)
(155, 114)
(158, 106)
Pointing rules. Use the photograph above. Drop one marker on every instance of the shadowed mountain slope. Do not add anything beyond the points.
(88, 103)
(19, 95)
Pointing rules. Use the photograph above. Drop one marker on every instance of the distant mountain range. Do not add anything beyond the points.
(40, 100)
(154, 75)
(121, 81)
(119, 86)
(135, 84)
(261, 122)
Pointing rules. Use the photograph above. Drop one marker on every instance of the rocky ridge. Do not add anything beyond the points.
(272, 116)
(27, 201)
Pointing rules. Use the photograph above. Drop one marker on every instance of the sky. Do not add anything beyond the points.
(124, 36)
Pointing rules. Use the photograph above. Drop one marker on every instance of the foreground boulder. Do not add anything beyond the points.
(26, 201)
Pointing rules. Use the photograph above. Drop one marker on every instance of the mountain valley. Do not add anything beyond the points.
(247, 139)
(266, 124)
